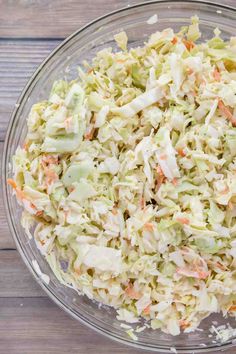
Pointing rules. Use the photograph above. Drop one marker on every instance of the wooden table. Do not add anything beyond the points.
(30, 323)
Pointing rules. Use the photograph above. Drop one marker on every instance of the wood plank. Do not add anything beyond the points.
(6, 240)
(15, 278)
(18, 60)
(54, 19)
(50, 19)
(37, 326)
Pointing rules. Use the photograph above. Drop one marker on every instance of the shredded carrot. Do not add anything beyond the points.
(89, 135)
(146, 311)
(181, 152)
(184, 324)
(226, 112)
(130, 292)
(225, 191)
(188, 44)
(20, 194)
(142, 203)
(216, 74)
(121, 61)
(174, 40)
(149, 226)
(160, 177)
(232, 308)
(25, 146)
(50, 159)
(194, 273)
(159, 171)
(175, 181)
(39, 213)
(42, 242)
(51, 176)
(221, 266)
(12, 183)
(202, 274)
(70, 189)
(183, 221)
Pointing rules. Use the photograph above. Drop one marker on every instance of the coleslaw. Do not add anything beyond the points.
(128, 177)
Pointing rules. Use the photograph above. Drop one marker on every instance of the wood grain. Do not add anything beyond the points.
(18, 60)
(14, 271)
(54, 19)
(33, 18)
(29, 322)
(40, 327)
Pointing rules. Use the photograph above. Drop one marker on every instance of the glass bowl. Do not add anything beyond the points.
(63, 62)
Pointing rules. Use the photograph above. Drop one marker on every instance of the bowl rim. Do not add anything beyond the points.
(4, 170)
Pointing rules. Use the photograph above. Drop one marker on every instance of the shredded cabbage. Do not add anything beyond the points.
(129, 173)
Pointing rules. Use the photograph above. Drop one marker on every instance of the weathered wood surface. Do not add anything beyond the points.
(50, 19)
(56, 18)
(37, 326)
(14, 271)
(29, 322)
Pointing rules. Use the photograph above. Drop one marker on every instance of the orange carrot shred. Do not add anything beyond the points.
(39, 213)
(142, 203)
(89, 135)
(175, 181)
(160, 177)
(216, 74)
(121, 61)
(225, 191)
(146, 311)
(181, 152)
(20, 194)
(188, 44)
(149, 226)
(12, 183)
(226, 112)
(184, 324)
(221, 266)
(174, 40)
(49, 159)
(130, 292)
(183, 221)
(25, 146)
